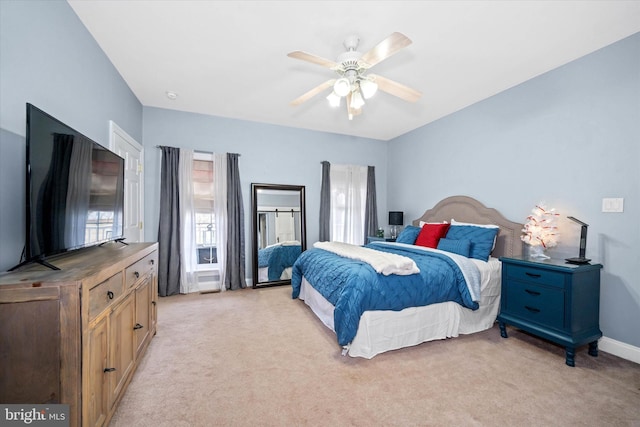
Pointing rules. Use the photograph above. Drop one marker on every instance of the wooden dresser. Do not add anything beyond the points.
(75, 336)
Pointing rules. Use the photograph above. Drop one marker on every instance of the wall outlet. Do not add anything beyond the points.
(613, 205)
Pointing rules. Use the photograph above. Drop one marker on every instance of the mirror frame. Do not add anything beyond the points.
(255, 187)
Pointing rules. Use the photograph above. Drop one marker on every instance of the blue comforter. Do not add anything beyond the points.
(354, 287)
(277, 258)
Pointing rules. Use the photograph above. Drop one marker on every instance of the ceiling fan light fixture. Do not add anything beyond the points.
(351, 67)
(334, 99)
(342, 87)
(368, 88)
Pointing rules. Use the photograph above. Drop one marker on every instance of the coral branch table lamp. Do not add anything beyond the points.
(540, 231)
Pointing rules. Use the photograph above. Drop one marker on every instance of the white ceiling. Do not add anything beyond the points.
(229, 58)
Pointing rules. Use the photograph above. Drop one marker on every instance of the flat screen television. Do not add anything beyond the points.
(75, 189)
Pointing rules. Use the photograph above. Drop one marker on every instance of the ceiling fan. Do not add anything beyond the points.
(353, 82)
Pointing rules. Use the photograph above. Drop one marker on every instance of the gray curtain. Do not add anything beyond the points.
(371, 208)
(235, 260)
(325, 203)
(169, 226)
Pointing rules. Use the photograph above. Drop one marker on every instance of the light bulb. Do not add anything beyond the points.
(342, 87)
(334, 99)
(368, 88)
(356, 100)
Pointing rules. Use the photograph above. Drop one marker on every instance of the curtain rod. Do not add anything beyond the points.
(277, 211)
(195, 151)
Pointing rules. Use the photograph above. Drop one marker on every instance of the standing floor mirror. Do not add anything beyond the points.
(278, 232)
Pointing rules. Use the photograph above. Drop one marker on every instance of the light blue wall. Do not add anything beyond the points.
(48, 58)
(569, 138)
(268, 154)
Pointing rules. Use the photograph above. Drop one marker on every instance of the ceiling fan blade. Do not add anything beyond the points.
(315, 59)
(313, 92)
(395, 88)
(386, 48)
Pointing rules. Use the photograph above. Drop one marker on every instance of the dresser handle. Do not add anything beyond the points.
(531, 309)
(530, 292)
(532, 275)
(135, 273)
(153, 261)
(109, 369)
(109, 294)
(138, 326)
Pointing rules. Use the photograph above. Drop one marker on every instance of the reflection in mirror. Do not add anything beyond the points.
(279, 231)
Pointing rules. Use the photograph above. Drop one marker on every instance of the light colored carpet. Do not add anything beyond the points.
(259, 358)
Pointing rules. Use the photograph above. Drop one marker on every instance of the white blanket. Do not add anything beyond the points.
(382, 262)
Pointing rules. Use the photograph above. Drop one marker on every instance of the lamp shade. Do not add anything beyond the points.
(342, 86)
(356, 100)
(368, 88)
(396, 218)
(334, 99)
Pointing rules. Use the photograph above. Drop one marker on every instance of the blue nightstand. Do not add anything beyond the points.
(553, 300)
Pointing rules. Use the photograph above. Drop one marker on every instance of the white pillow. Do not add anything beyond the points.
(423, 223)
(454, 222)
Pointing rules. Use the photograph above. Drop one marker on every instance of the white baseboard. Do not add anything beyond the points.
(620, 349)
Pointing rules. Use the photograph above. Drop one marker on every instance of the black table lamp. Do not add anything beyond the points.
(396, 218)
(583, 244)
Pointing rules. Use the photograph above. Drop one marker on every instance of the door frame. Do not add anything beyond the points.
(115, 130)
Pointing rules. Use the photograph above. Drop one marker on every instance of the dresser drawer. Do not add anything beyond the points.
(139, 269)
(540, 304)
(536, 275)
(101, 296)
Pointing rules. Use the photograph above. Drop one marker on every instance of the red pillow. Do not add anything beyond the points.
(431, 234)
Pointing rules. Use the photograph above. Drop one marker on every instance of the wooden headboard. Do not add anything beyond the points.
(467, 209)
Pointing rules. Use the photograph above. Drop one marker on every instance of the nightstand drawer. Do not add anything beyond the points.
(536, 275)
(540, 304)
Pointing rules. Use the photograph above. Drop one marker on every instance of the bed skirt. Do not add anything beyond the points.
(384, 330)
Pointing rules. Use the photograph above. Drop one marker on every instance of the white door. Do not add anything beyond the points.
(132, 152)
(285, 227)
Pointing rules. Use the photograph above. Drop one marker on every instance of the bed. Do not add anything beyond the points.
(373, 331)
(275, 261)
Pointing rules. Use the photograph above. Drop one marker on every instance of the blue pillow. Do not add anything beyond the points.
(408, 235)
(460, 247)
(481, 238)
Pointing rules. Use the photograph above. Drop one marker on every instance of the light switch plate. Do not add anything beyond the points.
(613, 204)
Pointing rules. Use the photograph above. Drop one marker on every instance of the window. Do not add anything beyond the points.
(203, 201)
(348, 203)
